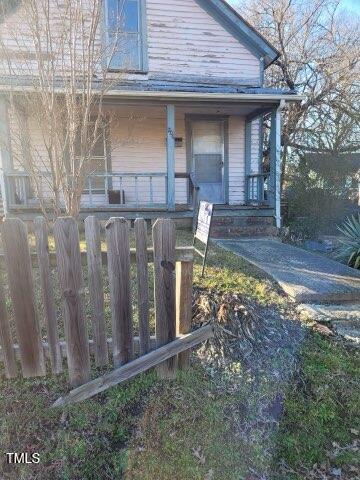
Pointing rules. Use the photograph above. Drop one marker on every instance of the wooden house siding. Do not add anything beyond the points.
(236, 160)
(255, 147)
(137, 145)
(184, 39)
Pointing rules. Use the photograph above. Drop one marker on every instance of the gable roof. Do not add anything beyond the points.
(241, 29)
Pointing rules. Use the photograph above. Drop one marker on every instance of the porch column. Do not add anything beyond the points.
(170, 156)
(275, 164)
(248, 125)
(5, 156)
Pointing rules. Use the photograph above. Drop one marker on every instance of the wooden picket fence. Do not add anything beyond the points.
(173, 297)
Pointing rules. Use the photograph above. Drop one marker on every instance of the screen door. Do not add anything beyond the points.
(208, 159)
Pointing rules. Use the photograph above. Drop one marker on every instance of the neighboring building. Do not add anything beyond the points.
(194, 102)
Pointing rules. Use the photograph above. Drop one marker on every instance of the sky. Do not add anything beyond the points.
(352, 5)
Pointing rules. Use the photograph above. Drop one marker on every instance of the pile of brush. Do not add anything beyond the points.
(240, 324)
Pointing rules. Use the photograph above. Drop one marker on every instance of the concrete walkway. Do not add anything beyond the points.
(306, 277)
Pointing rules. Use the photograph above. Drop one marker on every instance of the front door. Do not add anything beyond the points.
(208, 159)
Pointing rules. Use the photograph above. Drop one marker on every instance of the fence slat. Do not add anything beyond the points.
(69, 266)
(18, 262)
(96, 290)
(143, 284)
(6, 341)
(117, 239)
(42, 249)
(184, 290)
(164, 269)
(139, 365)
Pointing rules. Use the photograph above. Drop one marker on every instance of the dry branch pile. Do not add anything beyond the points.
(244, 329)
(239, 325)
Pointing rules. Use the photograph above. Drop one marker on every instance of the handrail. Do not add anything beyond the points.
(193, 181)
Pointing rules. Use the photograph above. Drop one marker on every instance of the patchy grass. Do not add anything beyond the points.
(85, 441)
(321, 424)
(184, 434)
(184, 429)
(90, 440)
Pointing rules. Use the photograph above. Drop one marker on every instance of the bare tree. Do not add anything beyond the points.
(55, 48)
(320, 57)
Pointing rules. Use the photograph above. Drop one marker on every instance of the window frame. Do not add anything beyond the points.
(107, 163)
(143, 56)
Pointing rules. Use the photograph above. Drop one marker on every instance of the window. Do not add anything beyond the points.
(125, 36)
(97, 164)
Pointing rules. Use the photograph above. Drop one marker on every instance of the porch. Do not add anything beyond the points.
(160, 158)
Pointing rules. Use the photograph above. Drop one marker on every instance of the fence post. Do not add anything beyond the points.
(164, 270)
(18, 264)
(184, 291)
(6, 341)
(41, 235)
(96, 290)
(117, 239)
(69, 266)
(143, 284)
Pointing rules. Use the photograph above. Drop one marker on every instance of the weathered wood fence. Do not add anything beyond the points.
(172, 285)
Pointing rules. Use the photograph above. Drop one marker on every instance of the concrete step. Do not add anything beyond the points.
(343, 319)
(243, 232)
(242, 226)
(242, 221)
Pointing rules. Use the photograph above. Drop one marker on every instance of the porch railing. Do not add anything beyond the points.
(258, 188)
(133, 190)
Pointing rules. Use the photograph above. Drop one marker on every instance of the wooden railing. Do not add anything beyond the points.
(257, 188)
(133, 190)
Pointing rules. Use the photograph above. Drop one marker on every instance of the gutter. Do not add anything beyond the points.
(166, 96)
(230, 97)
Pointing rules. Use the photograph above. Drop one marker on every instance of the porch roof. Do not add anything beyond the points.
(209, 90)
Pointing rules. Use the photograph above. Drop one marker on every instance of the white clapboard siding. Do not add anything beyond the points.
(137, 145)
(255, 147)
(236, 160)
(183, 38)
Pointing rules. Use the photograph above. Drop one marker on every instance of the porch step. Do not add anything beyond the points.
(235, 227)
(242, 232)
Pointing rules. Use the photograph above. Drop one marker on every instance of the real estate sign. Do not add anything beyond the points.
(205, 214)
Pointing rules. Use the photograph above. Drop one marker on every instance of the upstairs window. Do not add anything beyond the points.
(125, 35)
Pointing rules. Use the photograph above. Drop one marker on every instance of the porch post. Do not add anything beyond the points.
(275, 164)
(248, 125)
(170, 156)
(5, 156)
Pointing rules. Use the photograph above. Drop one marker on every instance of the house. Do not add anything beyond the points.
(194, 100)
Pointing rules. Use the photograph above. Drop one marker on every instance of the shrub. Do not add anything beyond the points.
(349, 249)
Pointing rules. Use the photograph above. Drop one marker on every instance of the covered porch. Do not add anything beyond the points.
(163, 152)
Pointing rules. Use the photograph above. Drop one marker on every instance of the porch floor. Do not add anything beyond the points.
(181, 212)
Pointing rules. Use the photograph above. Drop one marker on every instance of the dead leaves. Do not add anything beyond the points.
(199, 455)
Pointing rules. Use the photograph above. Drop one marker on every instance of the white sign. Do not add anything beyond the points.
(204, 221)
